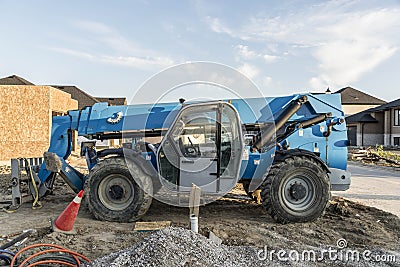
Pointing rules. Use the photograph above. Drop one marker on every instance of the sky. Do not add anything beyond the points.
(110, 48)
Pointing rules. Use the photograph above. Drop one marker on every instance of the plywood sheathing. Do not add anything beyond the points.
(18, 149)
(61, 101)
(25, 118)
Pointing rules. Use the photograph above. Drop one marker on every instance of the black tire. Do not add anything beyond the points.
(296, 190)
(113, 194)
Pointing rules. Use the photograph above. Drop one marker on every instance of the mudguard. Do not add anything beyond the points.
(281, 155)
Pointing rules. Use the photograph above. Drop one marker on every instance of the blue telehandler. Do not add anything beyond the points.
(293, 149)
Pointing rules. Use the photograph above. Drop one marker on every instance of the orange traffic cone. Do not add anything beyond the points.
(65, 222)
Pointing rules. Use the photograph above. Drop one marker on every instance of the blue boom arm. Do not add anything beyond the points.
(99, 121)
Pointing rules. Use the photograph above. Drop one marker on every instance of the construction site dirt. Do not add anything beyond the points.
(235, 219)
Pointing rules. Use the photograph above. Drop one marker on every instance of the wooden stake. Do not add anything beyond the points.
(194, 200)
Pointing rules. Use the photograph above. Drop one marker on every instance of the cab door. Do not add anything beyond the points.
(202, 147)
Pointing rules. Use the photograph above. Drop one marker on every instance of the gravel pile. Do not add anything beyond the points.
(180, 247)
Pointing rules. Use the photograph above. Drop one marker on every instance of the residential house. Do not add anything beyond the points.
(14, 80)
(113, 101)
(391, 124)
(378, 125)
(26, 112)
(355, 101)
(83, 98)
(86, 100)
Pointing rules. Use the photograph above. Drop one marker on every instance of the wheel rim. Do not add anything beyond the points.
(116, 192)
(298, 192)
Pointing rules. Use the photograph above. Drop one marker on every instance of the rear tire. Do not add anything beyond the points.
(113, 193)
(296, 190)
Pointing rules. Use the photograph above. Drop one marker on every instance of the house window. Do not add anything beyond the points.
(396, 141)
(396, 117)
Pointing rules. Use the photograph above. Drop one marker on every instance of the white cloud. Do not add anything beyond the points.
(139, 62)
(148, 63)
(343, 62)
(115, 48)
(358, 44)
(249, 70)
(270, 58)
(72, 52)
(217, 26)
(107, 37)
(245, 53)
(347, 38)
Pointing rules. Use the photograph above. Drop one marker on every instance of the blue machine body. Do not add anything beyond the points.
(100, 119)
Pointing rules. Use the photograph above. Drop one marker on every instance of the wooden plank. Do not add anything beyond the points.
(151, 226)
(194, 200)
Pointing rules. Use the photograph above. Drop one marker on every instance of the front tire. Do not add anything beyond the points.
(113, 193)
(296, 190)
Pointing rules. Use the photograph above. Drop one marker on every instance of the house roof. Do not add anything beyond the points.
(363, 116)
(113, 101)
(14, 80)
(351, 96)
(83, 98)
(393, 104)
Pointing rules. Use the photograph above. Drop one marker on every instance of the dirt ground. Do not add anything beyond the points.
(235, 219)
